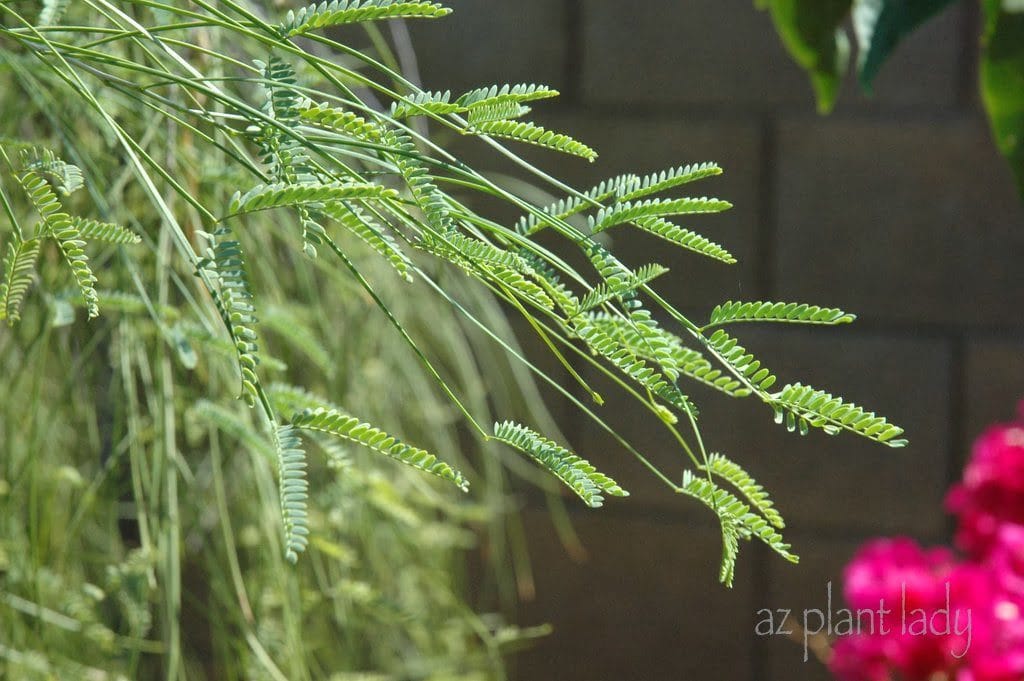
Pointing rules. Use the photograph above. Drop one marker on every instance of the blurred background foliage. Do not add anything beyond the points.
(122, 436)
(814, 32)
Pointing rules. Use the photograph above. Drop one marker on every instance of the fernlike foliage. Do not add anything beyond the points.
(340, 12)
(42, 176)
(578, 474)
(349, 167)
(731, 312)
(19, 267)
(736, 519)
(340, 424)
(294, 490)
(234, 301)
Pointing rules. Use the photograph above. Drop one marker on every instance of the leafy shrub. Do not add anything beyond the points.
(259, 189)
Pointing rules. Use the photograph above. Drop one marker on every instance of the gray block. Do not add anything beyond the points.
(995, 386)
(721, 53)
(486, 43)
(643, 604)
(911, 221)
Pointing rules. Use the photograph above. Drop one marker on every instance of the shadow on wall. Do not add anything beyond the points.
(897, 209)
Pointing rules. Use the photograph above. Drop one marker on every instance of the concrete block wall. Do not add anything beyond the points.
(895, 207)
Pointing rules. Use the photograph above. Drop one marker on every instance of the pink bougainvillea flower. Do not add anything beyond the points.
(1006, 558)
(979, 600)
(859, 657)
(897, 570)
(992, 490)
(901, 576)
(994, 592)
(896, 654)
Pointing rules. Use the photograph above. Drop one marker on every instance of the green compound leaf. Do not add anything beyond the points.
(234, 301)
(19, 266)
(685, 238)
(629, 211)
(520, 285)
(667, 179)
(265, 197)
(65, 177)
(340, 12)
(372, 233)
(496, 112)
(54, 222)
(794, 313)
(71, 246)
(340, 424)
(340, 120)
(622, 357)
(482, 104)
(577, 473)
(293, 490)
(467, 252)
(654, 343)
(737, 522)
(572, 205)
(109, 232)
(423, 103)
(803, 407)
(720, 466)
(621, 286)
(494, 95)
(431, 200)
(745, 364)
(531, 133)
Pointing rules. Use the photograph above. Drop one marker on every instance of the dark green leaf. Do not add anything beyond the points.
(881, 24)
(1002, 81)
(812, 32)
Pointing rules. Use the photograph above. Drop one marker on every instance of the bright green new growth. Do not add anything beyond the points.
(294, 491)
(42, 175)
(627, 211)
(19, 266)
(731, 312)
(340, 424)
(743, 365)
(803, 406)
(343, 169)
(530, 133)
(637, 187)
(312, 413)
(580, 476)
(340, 12)
(65, 177)
(719, 466)
(507, 98)
(234, 301)
(108, 232)
(492, 111)
(619, 285)
(737, 522)
(265, 197)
